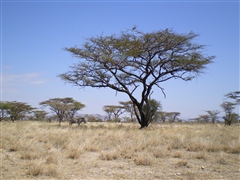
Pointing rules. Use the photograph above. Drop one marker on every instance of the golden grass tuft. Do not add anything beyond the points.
(35, 168)
(73, 153)
(201, 155)
(144, 159)
(109, 155)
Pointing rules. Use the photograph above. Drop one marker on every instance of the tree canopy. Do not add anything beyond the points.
(229, 106)
(235, 96)
(116, 111)
(151, 108)
(63, 107)
(15, 110)
(135, 60)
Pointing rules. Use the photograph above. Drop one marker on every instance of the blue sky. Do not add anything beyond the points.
(34, 33)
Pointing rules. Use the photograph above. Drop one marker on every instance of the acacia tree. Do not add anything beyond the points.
(62, 106)
(230, 116)
(204, 118)
(39, 115)
(228, 107)
(17, 110)
(116, 111)
(213, 115)
(134, 61)
(73, 108)
(172, 116)
(4, 110)
(162, 116)
(128, 107)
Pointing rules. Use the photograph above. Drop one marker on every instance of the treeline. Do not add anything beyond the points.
(153, 110)
(61, 109)
(65, 109)
(232, 101)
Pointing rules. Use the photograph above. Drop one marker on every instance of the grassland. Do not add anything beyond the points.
(39, 150)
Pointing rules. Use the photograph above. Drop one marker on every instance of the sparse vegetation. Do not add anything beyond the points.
(101, 150)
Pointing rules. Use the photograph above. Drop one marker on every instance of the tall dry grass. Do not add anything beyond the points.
(48, 150)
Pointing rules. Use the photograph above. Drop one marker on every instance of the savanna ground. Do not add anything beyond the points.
(40, 150)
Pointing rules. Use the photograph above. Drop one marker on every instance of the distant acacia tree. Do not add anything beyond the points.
(204, 118)
(229, 106)
(213, 115)
(162, 116)
(113, 112)
(134, 61)
(63, 106)
(17, 110)
(4, 106)
(73, 108)
(129, 107)
(172, 116)
(39, 115)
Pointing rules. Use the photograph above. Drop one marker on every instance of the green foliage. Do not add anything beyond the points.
(150, 109)
(228, 107)
(17, 110)
(4, 108)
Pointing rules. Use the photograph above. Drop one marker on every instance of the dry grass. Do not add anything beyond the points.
(42, 150)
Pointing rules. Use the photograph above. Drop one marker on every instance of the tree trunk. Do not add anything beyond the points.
(144, 121)
(141, 117)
